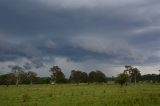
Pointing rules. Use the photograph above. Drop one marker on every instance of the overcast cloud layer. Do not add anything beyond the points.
(80, 34)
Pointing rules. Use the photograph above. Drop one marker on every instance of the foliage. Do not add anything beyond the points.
(7, 79)
(150, 78)
(133, 74)
(122, 78)
(42, 80)
(57, 74)
(31, 76)
(19, 76)
(84, 77)
(78, 76)
(97, 76)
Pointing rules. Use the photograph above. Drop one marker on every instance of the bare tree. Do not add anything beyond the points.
(17, 71)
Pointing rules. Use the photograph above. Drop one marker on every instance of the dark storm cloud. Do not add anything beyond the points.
(110, 31)
(27, 66)
(33, 18)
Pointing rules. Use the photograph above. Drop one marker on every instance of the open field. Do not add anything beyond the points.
(81, 95)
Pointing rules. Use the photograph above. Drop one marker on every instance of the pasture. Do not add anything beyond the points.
(80, 95)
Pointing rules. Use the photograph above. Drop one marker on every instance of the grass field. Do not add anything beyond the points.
(81, 95)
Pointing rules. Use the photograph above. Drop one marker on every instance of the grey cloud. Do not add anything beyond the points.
(21, 49)
(53, 20)
(110, 31)
(113, 47)
(27, 66)
(50, 44)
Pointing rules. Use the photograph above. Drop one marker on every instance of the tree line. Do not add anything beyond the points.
(19, 76)
(77, 76)
(130, 75)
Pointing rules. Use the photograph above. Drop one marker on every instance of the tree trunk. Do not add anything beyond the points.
(135, 79)
(130, 80)
(17, 82)
(31, 82)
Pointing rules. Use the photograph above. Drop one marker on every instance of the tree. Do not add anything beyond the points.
(92, 76)
(134, 74)
(159, 76)
(150, 78)
(18, 72)
(97, 76)
(100, 76)
(128, 71)
(31, 76)
(57, 74)
(43, 80)
(24, 78)
(76, 76)
(84, 77)
(122, 78)
(7, 79)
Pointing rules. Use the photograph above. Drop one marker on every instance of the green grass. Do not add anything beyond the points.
(81, 95)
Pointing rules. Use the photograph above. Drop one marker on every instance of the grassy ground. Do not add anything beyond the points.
(82, 95)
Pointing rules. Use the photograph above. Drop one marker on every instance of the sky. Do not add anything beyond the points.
(85, 35)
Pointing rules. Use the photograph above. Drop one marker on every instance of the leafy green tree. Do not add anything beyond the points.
(100, 76)
(135, 73)
(84, 77)
(122, 78)
(31, 76)
(150, 78)
(97, 76)
(24, 78)
(43, 80)
(7, 79)
(76, 76)
(128, 71)
(57, 75)
(92, 76)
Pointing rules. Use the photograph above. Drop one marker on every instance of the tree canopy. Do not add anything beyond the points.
(57, 75)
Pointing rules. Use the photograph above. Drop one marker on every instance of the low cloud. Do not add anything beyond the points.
(116, 48)
(79, 34)
(50, 44)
